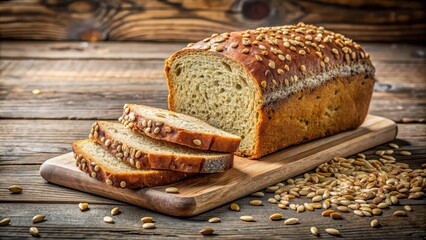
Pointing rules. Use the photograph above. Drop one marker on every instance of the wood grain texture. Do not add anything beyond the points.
(204, 192)
(189, 20)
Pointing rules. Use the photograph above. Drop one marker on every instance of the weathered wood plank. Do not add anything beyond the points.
(189, 20)
(66, 221)
(379, 52)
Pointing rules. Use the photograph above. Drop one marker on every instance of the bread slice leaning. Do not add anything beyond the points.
(93, 159)
(178, 128)
(143, 152)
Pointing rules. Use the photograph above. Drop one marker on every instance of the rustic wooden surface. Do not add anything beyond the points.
(190, 20)
(205, 192)
(82, 82)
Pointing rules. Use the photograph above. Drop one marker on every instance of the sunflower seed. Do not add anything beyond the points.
(291, 221)
(108, 219)
(15, 189)
(115, 211)
(400, 213)
(38, 218)
(374, 223)
(147, 219)
(34, 232)
(5, 221)
(148, 225)
(256, 202)
(83, 206)
(235, 207)
(214, 220)
(207, 231)
(276, 217)
(247, 218)
(172, 190)
(332, 231)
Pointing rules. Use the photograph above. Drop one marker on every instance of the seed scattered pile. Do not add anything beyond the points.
(358, 185)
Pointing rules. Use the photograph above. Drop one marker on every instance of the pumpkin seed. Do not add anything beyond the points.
(276, 217)
(15, 189)
(400, 213)
(235, 207)
(83, 206)
(172, 190)
(147, 219)
(247, 218)
(5, 221)
(374, 223)
(149, 225)
(291, 221)
(115, 211)
(314, 231)
(34, 232)
(108, 219)
(214, 220)
(38, 218)
(207, 231)
(256, 202)
(333, 231)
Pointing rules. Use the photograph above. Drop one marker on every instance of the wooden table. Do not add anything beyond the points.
(82, 82)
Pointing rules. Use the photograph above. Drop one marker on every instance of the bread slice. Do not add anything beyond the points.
(143, 152)
(100, 164)
(178, 128)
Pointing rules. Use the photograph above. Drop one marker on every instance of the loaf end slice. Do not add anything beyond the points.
(178, 128)
(143, 152)
(93, 159)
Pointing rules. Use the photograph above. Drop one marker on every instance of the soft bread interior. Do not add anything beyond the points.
(150, 145)
(217, 91)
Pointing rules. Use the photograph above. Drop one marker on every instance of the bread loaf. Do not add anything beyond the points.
(274, 86)
(99, 164)
(143, 152)
(177, 128)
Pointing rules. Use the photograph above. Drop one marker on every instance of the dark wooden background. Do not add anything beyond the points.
(81, 82)
(191, 20)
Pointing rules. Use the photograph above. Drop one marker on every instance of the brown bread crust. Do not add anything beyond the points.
(102, 173)
(181, 136)
(146, 160)
(279, 60)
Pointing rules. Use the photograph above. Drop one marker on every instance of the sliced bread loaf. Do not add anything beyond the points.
(143, 152)
(178, 128)
(100, 164)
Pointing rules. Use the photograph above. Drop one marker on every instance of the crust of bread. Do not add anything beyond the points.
(181, 136)
(137, 179)
(151, 160)
(280, 111)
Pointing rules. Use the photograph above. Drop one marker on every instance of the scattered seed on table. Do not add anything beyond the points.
(256, 202)
(314, 231)
(291, 221)
(5, 221)
(235, 207)
(374, 223)
(36, 91)
(115, 211)
(247, 218)
(405, 153)
(327, 213)
(214, 220)
(400, 213)
(207, 231)
(172, 190)
(108, 219)
(393, 145)
(148, 225)
(83, 206)
(15, 189)
(38, 218)
(34, 232)
(276, 217)
(336, 215)
(408, 208)
(147, 219)
(258, 194)
(333, 231)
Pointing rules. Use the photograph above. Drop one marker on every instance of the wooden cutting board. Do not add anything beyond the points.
(204, 192)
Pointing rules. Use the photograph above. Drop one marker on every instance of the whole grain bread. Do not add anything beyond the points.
(143, 152)
(273, 86)
(177, 128)
(93, 159)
